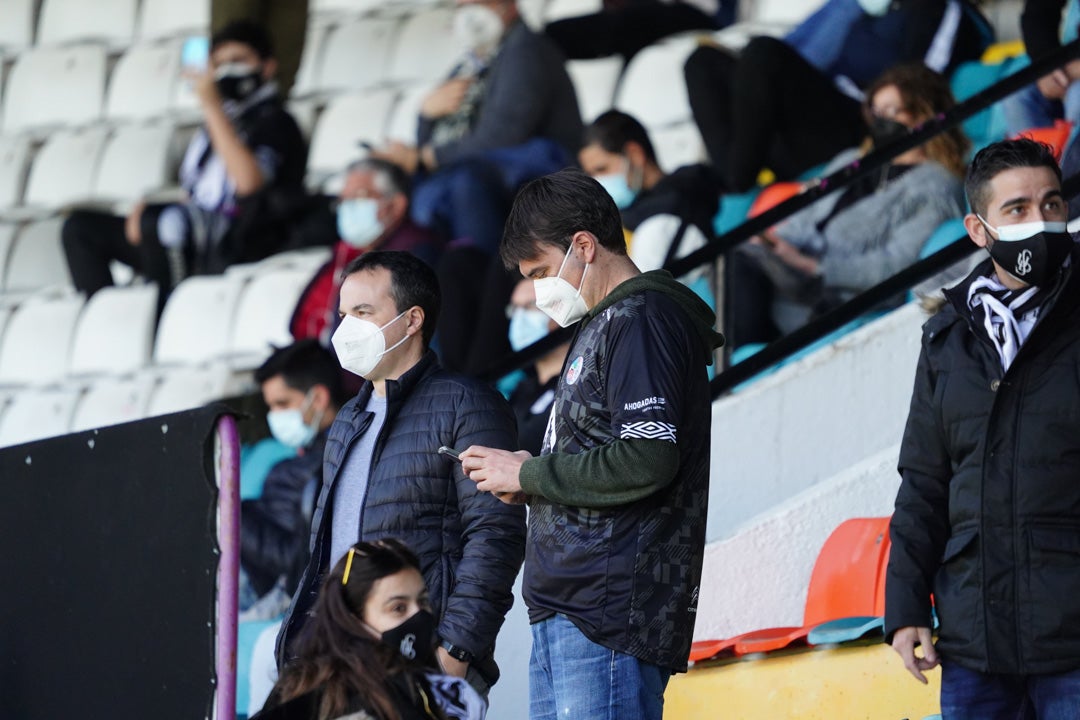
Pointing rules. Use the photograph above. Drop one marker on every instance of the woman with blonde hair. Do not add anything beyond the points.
(856, 237)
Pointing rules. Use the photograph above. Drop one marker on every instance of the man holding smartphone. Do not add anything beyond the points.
(618, 496)
(248, 150)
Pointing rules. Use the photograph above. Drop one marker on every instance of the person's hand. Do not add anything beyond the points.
(790, 255)
(133, 224)
(1072, 70)
(204, 87)
(445, 99)
(451, 666)
(904, 641)
(495, 471)
(1054, 85)
(406, 157)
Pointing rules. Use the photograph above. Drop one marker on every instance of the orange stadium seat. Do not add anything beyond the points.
(1056, 136)
(847, 582)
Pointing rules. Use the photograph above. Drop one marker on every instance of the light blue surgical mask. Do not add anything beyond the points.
(288, 426)
(876, 8)
(527, 325)
(358, 221)
(618, 188)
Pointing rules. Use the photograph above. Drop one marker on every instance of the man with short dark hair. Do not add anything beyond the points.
(248, 146)
(988, 512)
(667, 216)
(618, 496)
(385, 477)
(301, 385)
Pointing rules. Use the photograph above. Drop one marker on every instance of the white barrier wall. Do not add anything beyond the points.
(758, 578)
(811, 420)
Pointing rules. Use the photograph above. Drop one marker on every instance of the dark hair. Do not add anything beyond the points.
(389, 178)
(338, 654)
(249, 33)
(412, 282)
(549, 210)
(994, 159)
(614, 129)
(926, 94)
(302, 366)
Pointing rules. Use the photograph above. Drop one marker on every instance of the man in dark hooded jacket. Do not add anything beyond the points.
(988, 514)
(618, 496)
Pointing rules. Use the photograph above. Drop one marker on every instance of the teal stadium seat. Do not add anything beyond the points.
(255, 463)
(973, 77)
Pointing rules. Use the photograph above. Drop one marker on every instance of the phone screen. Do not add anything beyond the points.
(195, 53)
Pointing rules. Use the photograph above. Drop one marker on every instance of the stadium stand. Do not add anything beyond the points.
(93, 109)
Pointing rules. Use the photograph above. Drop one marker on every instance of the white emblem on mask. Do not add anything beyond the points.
(1023, 262)
(407, 649)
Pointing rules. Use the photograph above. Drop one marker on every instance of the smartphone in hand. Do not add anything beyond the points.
(195, 54)
(450, 453)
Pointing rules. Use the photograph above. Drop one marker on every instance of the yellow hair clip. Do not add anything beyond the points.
(348, 567)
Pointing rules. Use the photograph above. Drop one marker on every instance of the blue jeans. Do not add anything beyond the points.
(572, 677)
(970, 695)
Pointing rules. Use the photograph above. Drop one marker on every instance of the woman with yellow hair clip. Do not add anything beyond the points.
(369, 651)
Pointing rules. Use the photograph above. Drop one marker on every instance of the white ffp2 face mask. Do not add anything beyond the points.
(478, 28)
(560, 300)
(360, 344)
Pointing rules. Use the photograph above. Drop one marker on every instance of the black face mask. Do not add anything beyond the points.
(414, 638)
(238, 82)
(884, 131)
(1034, 260)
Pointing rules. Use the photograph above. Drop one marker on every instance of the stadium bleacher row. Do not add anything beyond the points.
(93, 111)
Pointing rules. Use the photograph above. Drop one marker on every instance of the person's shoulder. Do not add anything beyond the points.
(448, 382)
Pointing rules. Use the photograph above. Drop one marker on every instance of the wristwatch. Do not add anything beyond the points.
(458, 653)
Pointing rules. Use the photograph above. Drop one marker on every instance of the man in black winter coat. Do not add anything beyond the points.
(987, 517)
(384, 477)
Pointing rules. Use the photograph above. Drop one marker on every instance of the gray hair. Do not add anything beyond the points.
(389, 178)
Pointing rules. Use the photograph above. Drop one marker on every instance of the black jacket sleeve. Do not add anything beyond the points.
(920, 522)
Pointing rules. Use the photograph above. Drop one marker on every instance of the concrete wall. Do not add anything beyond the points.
(811, 420)
(758, 578)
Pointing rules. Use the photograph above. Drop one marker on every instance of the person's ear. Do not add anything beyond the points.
(635, 154)
(320, 398)
(269, 69)
(975, 230)
(414, 317)
(585, 246)
(393, 210)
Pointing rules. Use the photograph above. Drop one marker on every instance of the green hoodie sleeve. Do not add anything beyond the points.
(621, 472)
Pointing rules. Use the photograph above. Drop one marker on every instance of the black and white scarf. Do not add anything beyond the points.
(1007, 315)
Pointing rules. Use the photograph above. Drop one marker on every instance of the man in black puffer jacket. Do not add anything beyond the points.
(988, 513)
(384, 477)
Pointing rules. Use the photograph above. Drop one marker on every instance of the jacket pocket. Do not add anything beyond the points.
(957, 543)
(1053, 592)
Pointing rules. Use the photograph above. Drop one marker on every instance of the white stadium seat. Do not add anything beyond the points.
(307, 75)
(115, 334)
(53, 87)
(137, 160)
(649, 90)
(7, 239)
(405, 117)
(197, 321)
(186, 388)
(594, 83)
(15, 154)
(68, 21)
(36, 260)
(560, 9)
(17, 28)
(173, 18)
(356, 55)
(111, 401)
(678, 145)
(532, 12)
(36, 346)
(143, 83)
(37, 414)
(263, 314)
(426, 48)
(64, 169)
(344, 7)
(346, 121)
